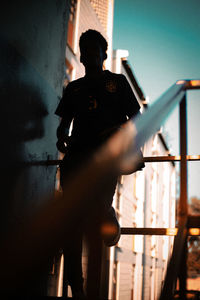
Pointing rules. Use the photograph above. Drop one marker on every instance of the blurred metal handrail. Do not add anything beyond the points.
(146, 159)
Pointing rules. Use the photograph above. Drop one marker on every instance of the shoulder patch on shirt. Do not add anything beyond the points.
(111, 86)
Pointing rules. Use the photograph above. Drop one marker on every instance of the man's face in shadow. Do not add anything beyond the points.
(92, 55)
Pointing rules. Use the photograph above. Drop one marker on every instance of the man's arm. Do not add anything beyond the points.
(63, 134)
(132, 108)
(63, 128)
(65, 111)
(131, 104)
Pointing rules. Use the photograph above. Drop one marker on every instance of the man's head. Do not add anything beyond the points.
(93, 47)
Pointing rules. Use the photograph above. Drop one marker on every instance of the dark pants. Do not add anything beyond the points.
(72, 161)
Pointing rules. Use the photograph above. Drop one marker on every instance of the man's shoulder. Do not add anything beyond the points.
(75, 84)
(114, 76)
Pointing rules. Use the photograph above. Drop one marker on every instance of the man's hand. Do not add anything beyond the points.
(62, 144)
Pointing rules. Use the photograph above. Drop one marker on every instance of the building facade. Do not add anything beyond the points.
(143, 199)
(84, 15)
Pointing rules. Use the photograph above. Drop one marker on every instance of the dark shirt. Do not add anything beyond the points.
(97, 106)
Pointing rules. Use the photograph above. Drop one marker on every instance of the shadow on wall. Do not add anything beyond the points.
(32, 51)
(22, 117)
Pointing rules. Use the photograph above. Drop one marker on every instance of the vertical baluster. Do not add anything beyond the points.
(177, 263)
(183, 207)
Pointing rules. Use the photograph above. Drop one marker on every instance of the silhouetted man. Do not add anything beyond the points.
(98, 104)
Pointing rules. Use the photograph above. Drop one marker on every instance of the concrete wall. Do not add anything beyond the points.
(32, 54)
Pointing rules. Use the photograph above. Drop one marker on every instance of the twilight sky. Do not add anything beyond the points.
(163, 40)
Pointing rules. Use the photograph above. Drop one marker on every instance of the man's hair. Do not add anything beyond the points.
(92, 35)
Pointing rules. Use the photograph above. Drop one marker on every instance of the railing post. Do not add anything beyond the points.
(183, 210)
(177, 264)
(183, 206)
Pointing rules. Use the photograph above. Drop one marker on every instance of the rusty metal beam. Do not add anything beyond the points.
(170, 158)
(149, 231)
(146, 159)
(159, 231)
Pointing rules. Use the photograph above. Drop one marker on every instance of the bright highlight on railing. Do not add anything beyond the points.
(171, 231)
(180, 82)
(189, 84)
(195, 83)
(191, 231)
(193, 157)
(194, 231)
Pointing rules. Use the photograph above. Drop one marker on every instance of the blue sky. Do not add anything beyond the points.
(163, 40)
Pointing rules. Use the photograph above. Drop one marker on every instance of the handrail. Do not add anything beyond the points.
(146, 159)
(156, 114)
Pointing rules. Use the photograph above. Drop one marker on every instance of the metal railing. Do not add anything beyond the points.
(148, 124)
